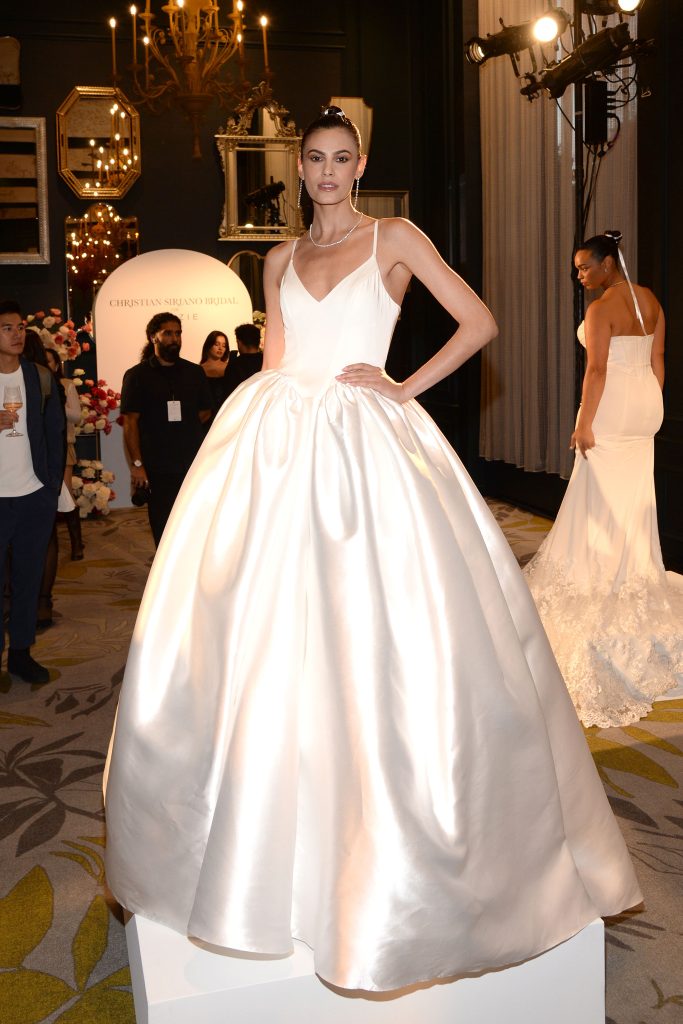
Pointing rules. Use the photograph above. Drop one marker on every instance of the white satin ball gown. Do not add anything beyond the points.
(613, 615)
(341, 720)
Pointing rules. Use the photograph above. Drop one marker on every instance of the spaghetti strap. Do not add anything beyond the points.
(291, 255)
(635, 303)
(633, 294)
(374, 241)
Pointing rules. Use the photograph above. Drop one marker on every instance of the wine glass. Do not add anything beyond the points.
(11, 401)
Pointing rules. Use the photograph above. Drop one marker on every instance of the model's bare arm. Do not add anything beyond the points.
(274, 269)
(407, 251)
(598, 333)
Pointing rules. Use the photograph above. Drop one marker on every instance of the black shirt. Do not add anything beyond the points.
(166, 446)
(240, 368)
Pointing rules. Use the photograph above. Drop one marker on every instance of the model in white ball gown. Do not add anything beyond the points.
(341, 720)
(613, 615)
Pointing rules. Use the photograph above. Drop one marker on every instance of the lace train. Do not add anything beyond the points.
(618, 650)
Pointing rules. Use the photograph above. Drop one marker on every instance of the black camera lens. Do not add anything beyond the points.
(140, 496)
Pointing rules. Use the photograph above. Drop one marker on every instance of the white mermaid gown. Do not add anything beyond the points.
(341, 720)
(613, 615)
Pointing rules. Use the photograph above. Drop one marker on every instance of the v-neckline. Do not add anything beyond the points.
(334, 287)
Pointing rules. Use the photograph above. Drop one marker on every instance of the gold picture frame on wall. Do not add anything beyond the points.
(98, 142)
(24, 230)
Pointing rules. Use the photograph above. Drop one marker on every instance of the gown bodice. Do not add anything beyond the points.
(629, 353)
(323, 336)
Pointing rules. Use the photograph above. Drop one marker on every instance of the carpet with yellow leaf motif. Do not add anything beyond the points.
(62, 947)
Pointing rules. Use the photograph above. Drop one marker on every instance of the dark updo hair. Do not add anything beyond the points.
(603, 245)
(333, 117)
(209, 343)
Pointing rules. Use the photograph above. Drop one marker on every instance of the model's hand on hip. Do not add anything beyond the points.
(363, 375)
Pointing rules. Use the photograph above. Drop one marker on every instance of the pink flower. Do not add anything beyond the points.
(86, 346)
(39, 316)
(55, 312)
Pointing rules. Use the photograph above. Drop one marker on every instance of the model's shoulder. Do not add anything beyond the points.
(279, 254)
(399, 233)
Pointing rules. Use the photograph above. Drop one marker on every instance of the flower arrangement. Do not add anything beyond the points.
(91, 488)
(97, 401)
(55, 332)
(259, 319)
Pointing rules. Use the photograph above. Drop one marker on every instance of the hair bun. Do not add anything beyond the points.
(614, 234)
(333, 112)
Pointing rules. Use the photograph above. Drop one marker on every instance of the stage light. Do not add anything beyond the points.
(603, 8)
(550, 26)
(597, 53)
(512, 39)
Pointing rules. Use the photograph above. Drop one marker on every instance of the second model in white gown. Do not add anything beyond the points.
(341, 720)
(614, 617)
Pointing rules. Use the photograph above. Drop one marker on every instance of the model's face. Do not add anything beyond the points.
(168, 341)
(590, 269)
(217, 350)
(329, 165)
(12, 334)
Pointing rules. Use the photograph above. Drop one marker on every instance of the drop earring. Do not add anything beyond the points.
(301, 185)
(355, 195)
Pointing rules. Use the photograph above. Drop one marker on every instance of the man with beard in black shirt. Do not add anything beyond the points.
(164, 401)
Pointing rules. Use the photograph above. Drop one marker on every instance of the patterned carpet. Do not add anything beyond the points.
(62, 947)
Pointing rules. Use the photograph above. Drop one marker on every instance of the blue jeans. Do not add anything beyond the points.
(25, 526)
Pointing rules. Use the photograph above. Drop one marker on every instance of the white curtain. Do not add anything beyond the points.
(528, 404)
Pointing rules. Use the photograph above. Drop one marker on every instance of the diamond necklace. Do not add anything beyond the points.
(327, 245)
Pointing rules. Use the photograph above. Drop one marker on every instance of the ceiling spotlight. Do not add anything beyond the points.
(597, 53)
(512, 39)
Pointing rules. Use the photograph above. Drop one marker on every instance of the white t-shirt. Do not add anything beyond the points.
(16, 465)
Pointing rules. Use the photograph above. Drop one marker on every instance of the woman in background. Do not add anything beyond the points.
(214, 362)
(613, 616)
(72, 411)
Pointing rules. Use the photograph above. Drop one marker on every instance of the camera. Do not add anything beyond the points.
(140, 496)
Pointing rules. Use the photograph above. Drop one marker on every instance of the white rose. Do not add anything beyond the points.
(88, 428)
(83, 502)
(88, 473)
(90, 490)
(76, 481)
(49, 321)
(107, 477)
(96, 464)
(99, 423)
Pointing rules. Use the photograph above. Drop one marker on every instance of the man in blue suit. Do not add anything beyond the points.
(31, 471)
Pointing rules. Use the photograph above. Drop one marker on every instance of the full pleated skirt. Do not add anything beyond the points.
(341, 720)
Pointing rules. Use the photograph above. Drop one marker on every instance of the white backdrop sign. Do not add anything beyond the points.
(202, 291)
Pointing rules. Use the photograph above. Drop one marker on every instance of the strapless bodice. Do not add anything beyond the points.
(628, 352)
(353, 323)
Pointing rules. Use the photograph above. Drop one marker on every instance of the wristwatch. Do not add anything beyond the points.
(137, 463)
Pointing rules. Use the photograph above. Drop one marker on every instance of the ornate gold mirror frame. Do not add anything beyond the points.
(24, 235)
(98, 142)
(261, 179)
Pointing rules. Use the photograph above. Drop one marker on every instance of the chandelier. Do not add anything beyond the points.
(182, 61)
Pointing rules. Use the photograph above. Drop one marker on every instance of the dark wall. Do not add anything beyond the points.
(403, 58)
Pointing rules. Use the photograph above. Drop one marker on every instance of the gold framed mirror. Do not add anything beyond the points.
(248, 265)
(259, 150)
(98, 142)
(24, 233)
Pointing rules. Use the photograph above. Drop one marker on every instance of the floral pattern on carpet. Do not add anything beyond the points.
(62, 945)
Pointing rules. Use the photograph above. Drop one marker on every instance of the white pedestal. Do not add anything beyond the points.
(177, 982)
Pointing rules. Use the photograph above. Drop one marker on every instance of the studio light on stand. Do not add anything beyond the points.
(513, 39)
(604, 8)
(597, 53)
